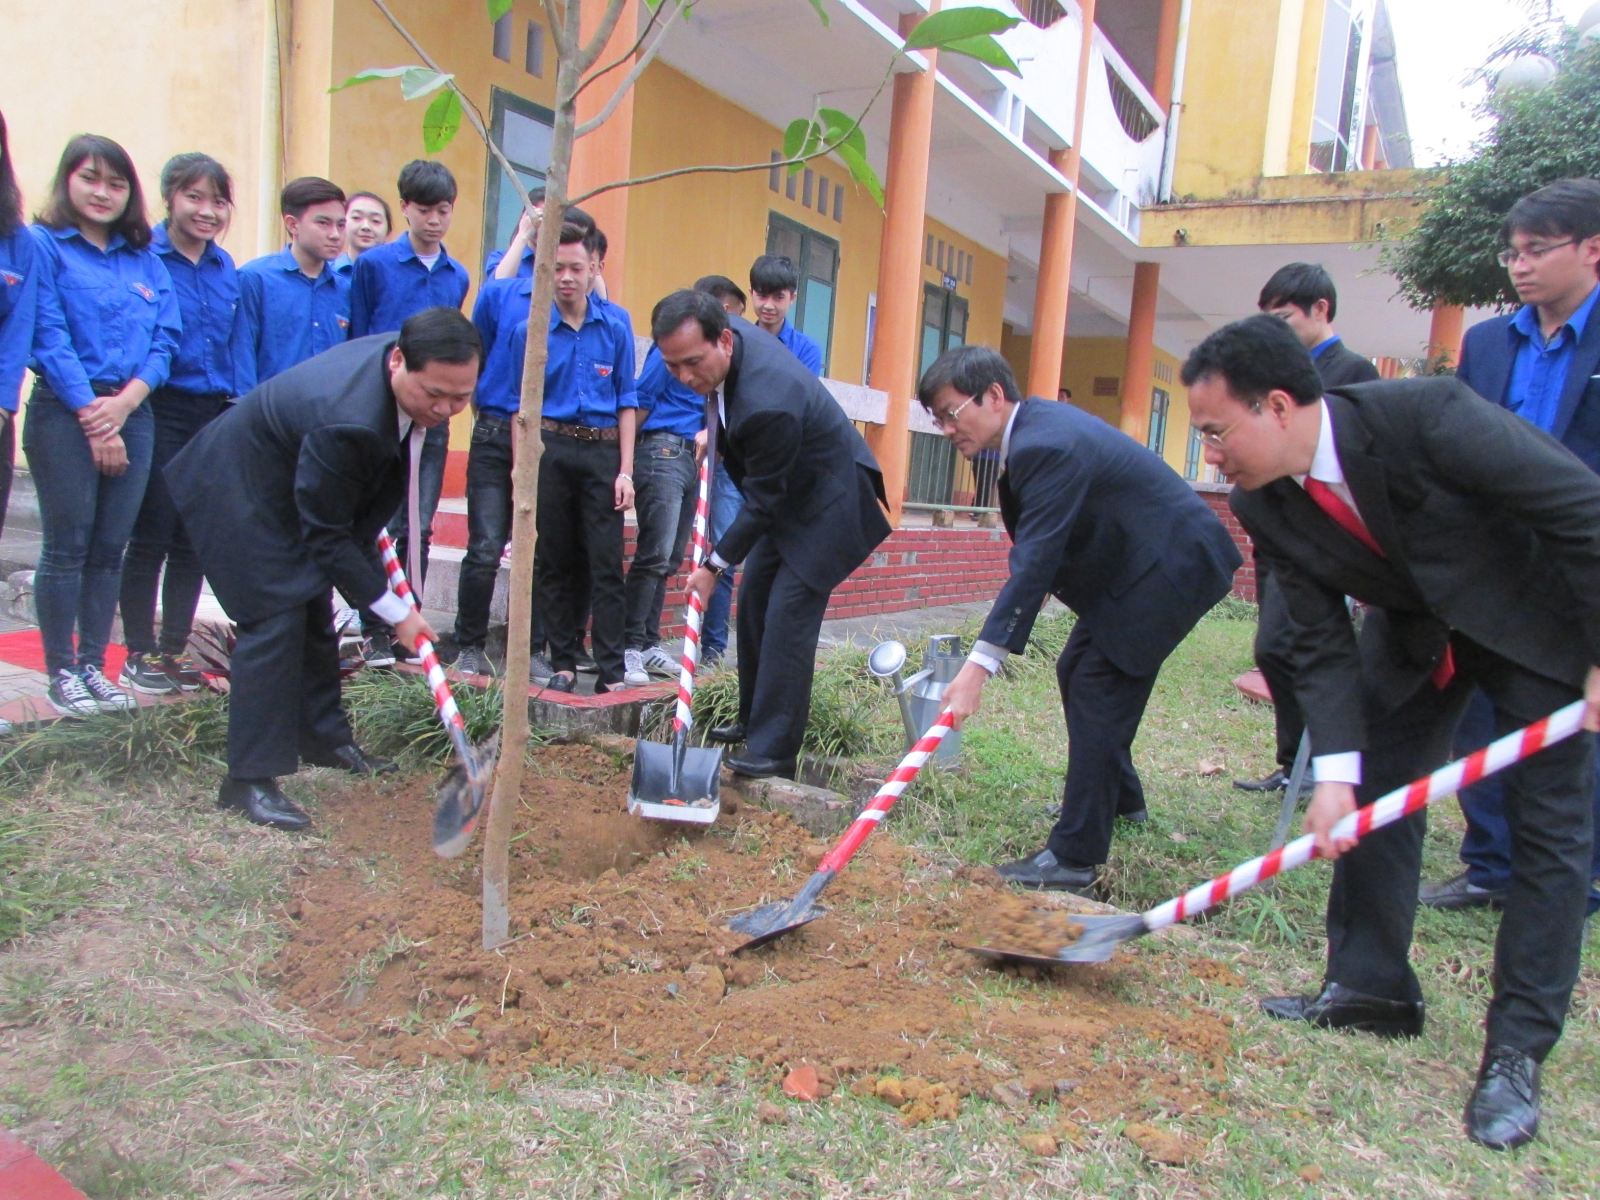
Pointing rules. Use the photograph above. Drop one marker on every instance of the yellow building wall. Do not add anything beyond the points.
(985, 295)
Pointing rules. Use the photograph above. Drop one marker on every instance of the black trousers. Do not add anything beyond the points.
(1103, 706)
(578, 525)
(283, 697)
(779, 621)
(1373, 899)
(1274, 639)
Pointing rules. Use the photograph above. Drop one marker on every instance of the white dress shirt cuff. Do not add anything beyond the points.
(1337, 768)
(391, 608)
(716, 560)
(988, 656)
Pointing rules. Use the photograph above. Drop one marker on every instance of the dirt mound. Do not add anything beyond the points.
(620, 959)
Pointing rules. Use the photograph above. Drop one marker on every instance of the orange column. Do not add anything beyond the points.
(894, 339)
(606, 155)
(1050, 297)
(1140, 364)
(1166, 53)
(1444, 334)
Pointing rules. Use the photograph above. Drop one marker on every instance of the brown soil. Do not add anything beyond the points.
(621, 959)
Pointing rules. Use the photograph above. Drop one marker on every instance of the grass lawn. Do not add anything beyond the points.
(143, 1052)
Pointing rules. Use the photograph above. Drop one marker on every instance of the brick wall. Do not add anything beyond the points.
(1216, 497)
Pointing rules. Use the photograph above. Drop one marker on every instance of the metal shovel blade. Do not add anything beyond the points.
(463, 798)
(1101, 936)
(770, 921)
(691, 793)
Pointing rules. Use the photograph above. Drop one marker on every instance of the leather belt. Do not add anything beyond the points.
(584, 433)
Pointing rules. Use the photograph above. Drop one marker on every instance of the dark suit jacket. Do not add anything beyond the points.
(809, 481)
(1488, 526)
(1487, 354)
(1104, 525)
(284, 494)
(1340, 365)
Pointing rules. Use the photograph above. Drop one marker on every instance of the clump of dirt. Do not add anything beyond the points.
(621, 958)
(1016, 926)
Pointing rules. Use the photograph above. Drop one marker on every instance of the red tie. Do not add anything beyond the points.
(1349, 520)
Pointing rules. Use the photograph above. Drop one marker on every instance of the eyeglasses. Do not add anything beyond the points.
(1532, 254)
(1217, 437)
(948, 420)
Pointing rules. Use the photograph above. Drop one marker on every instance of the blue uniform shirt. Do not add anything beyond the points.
(589, 376)
(673, 407)
(289, 317)
(390, 283)
(213, 325)
(1322, 347)
(105, 316)
(19, 302)
(495, 257)
(343, 265)
(802, 347)
(499, 392)
(1539, 370)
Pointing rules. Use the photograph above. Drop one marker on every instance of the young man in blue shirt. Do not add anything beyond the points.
(394, 281)
(295, 305)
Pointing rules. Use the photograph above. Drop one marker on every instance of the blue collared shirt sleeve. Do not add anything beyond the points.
(53, 356)
(248, 341)
(169, 327)
(624, 362)
(364, 294)
(802, 347)
(19, 307)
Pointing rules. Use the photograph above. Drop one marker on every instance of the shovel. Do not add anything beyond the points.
(1103, 934)
(773, 920)
(465, 791)
(677, 783)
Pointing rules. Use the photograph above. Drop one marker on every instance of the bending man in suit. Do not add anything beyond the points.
(1302, 296)
(283, 496)
(1474, 540)
(1541, 363)
(1103, 524)
(813, 511)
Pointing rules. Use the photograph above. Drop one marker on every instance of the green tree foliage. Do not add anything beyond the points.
(1538, 137)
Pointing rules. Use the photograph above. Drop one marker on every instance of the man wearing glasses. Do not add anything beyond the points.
(1540, 362)
(1108, 528)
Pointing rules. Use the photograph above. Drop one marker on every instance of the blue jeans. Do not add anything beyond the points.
(1486, 846)
(87, 518)
(664, 484)
(726, 503)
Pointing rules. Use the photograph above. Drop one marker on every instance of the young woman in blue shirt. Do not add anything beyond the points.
(199, 198)
(103, 340)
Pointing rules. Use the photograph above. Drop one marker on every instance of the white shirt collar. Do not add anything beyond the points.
(1325, 460)
(403, 421)
(1005, 438)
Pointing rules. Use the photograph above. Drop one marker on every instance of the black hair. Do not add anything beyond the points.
(722, 288)
(1302, 285)
(774, 273)
(190, 168)
(573, 234)
(598, 244)
(536, 195)
(301, 194)
(687, 304)
(1253, 357)
(970, 370)
(10, 193)
(388, 216)
(58, 212)
(439, 335)
(1567, 208)
(426, 182)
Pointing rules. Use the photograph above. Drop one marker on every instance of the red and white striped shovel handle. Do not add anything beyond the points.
(1387, 809)
(683, 716)
(443, 700)
(878, 807)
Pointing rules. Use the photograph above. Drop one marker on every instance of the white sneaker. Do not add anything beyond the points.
(108, 697)
(6, 727)
(633, 672)
(658, 660)
(69, 697)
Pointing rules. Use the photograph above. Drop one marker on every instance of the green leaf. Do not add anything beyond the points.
(843, 128)
(985, 49)
(441, 121)
(861, 171)
(938, 30)
(794, 136)
(419, 81)
(822, 13)
(372, 75)
(498, 9)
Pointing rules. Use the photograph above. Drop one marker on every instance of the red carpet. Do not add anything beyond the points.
(24, 649)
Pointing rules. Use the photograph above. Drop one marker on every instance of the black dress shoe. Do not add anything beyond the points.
(562, 681)
(1275, 782)
(1460, 892)
(1137, 816)
(1339, 1007)
(352, 758)
(730, 733)
(758, 765)
(1503, 1110)
(262, 802)
(1044, 872)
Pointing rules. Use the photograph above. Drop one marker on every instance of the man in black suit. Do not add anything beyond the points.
(283, 497)
(813, 511)
(1104, 525)
(1302, 296)
(1474, 541)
